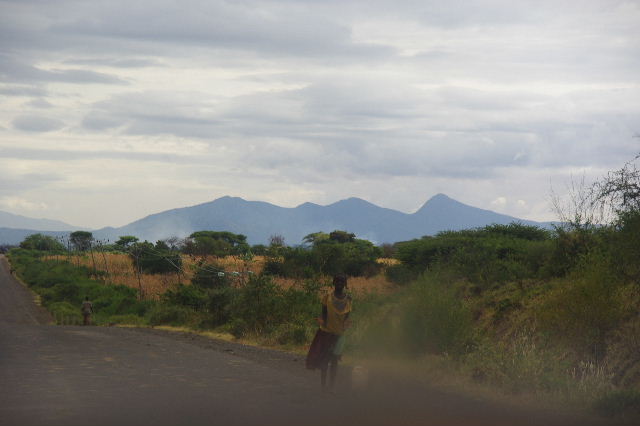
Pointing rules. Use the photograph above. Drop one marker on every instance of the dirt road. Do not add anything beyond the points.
(73, 375)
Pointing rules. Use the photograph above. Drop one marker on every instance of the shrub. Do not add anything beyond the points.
(65, 313)
(128, 319)
(329, 254)
(63, 286)
(434, 319)
(154, 260)
(296, 334)
(583, 308)
(485, 256)
(258, 305)
(186, 295)
(167, 314)
(42, 242)
(209, 275)
(218, 303)
(400, 274)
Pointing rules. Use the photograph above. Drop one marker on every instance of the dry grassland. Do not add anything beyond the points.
(118, 269)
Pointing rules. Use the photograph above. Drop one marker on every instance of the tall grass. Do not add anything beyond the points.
(427, 317)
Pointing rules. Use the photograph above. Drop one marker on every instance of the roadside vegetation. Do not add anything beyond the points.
(550, 313)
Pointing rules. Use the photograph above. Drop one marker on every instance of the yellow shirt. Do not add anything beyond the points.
(337, 310)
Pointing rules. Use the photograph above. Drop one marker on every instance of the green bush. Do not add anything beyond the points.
(165, 314)
(62, 285)
(189, 296)
(65, 313)
(128, 319)
(329, 254)
(218, 303)
(258, 305)
(584, 307)
(43, 243)
(296, 334)
(486, 256)
(400, 274)
(624, 246)
(434, 319)
(209, 275)
(156, 259)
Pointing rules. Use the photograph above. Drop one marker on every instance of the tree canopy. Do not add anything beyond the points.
(81, 240)
(216, 243)
(41, 242)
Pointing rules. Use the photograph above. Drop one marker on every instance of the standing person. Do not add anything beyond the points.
(326, 348)
(87, 310)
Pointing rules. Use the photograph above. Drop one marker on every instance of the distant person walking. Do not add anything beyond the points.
(87, 310)
(327, 345)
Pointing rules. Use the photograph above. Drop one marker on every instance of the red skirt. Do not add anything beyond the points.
(321, 350)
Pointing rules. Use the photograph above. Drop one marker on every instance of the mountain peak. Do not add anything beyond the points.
(351, 201)
(439, 201)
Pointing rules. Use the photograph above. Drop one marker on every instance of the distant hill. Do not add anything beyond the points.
(13, 236)
(259, 220)
(10, 220)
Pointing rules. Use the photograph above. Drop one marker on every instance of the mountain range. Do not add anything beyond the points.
(259, 220)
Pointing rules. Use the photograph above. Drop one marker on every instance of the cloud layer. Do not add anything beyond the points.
(133, 108)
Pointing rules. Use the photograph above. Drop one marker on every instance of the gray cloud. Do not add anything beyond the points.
(359, 127)
(219, 24)
(36, 123)
(324, 97)
(16, 71)
(116, 62)
(58, 155)
(40, 103)
(22, 90)
(13, 184)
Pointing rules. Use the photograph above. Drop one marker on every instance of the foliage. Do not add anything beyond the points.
(261, 306)
(619, 190)
(216, 243)
(63, 286)
(125, 241)
(209, 275)
(158, 259)
(168, 314)
(489, 255)
(189, 296)
(81, 240)
(582, 309)
(42, 242)
(328, 254)
(400, 274)
(434, 319)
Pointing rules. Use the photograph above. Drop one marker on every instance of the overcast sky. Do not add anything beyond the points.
(113, 110)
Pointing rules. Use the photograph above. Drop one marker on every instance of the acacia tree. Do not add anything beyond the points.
(215, 243)
(619, 191)
(81, 240)
(41, 242)
(125, 241)
(338, 252)
(591, 205)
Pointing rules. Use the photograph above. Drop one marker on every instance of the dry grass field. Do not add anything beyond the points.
(118, 269)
